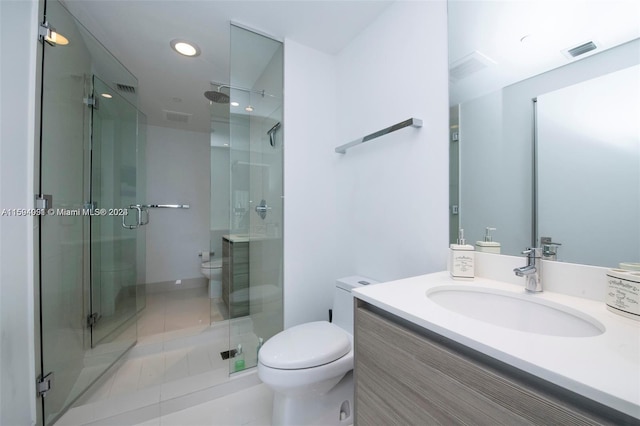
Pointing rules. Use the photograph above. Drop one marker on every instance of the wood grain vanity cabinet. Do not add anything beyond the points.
(235, 276)
(406, 375)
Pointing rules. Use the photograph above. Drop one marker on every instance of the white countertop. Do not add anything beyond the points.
(604, 368)
(244, 238)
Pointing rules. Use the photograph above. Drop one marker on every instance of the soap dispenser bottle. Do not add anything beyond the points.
(239, 359)
(462, 259)
(488, 245)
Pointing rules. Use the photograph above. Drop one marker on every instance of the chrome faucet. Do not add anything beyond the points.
(532, 271)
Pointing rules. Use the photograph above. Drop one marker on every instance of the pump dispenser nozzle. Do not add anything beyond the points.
(488, 245)
(461, 240)
(487, 234)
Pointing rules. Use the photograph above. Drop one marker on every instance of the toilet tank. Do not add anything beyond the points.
(343, 300)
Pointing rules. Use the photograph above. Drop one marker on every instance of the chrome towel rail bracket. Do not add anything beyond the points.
(413, 122)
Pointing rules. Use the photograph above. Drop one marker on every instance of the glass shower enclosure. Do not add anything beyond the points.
(253, 249)
(90, 148)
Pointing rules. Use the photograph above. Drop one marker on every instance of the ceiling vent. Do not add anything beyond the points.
(580, 49)
(176, 117)
(468, 65)
(125, 88)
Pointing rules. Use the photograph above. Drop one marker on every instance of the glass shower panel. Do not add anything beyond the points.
(220, 206)
(63, 258)
(256, 193)
(141, 191)
(114, 248)
(68, 352)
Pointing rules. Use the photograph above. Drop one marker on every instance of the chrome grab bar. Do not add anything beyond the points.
(139, 218)
(147, 212)
(413, 122)
(145, 208)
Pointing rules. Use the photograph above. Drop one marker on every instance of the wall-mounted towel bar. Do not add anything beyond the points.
(165, 206)
(413, 122)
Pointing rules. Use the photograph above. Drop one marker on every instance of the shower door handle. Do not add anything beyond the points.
(139, 222)
(262, 209)
(144, 210)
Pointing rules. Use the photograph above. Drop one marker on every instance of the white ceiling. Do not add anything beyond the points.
(138, 34)
(494, 28)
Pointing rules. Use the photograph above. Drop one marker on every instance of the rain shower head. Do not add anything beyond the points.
(217, 96)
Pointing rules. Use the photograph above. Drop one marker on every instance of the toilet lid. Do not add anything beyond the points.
(305, 346)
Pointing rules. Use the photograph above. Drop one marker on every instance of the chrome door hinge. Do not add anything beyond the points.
(44, 32)
(47, 34)
(92, 319)
(91, 102)
(44, 384)
(44, 202)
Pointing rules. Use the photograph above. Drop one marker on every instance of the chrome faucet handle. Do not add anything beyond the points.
(546, 241)
(532, 270)
(549, 248)
(533, 252)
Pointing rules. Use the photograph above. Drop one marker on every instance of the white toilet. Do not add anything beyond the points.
(212, 269)
(310, 366)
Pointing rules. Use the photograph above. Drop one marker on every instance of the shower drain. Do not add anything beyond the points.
(228, 354)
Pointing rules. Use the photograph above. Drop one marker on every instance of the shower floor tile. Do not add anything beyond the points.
(177, 310)
(177, 358)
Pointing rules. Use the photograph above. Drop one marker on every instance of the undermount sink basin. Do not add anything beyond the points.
(517, 311)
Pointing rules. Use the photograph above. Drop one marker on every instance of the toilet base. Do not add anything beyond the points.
(215, 289)
(332, 408)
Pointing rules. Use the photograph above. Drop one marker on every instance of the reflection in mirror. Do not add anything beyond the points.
(588, 163)
(516, 52)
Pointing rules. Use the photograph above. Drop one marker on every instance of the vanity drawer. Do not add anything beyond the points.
(405, 376)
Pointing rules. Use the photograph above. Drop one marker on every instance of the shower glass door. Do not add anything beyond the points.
(113, 189)
(75, 351)
(63, 256)
(256, 154)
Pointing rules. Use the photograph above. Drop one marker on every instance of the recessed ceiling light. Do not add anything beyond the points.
(57, 39)
(249, 108)
(185, 48)
(234, 103)
(525, 39)
(106, 95)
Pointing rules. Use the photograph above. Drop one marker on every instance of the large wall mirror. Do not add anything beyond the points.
(545, 128)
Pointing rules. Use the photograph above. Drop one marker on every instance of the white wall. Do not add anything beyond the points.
(381, 209)
(311, 250)
(393, 192)
(18, 22)
(178, 165)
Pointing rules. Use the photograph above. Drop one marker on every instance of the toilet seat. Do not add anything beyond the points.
(212, 264)
(305, 346)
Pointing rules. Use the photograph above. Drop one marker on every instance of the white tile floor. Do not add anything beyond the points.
(252, 407)
(176, 310)
(175, 365)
